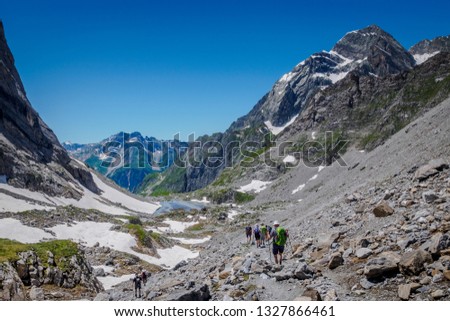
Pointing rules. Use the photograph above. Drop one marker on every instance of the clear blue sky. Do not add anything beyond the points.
(94, 68)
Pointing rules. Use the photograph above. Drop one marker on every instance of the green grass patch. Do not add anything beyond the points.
(195, 228)
(241, 197)
(160, 192)
(62, 250)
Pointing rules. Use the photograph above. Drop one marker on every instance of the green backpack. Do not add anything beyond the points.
(263, 230)
(281, 236)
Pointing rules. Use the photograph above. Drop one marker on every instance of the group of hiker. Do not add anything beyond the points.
(276, 236)
(264, 234)
(138, 280)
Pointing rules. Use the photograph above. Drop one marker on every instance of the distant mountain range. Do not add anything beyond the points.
(127, 158)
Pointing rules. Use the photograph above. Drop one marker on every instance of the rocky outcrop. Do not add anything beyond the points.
(30, 155)
(30, 271)
(11, 285)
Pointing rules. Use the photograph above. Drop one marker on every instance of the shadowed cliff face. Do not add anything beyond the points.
(30, 154)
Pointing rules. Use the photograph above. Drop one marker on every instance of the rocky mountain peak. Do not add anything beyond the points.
(426, 49)
(384, 54)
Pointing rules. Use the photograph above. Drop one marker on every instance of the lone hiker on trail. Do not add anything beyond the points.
(248, 233)
(137, 285)
(279, 236)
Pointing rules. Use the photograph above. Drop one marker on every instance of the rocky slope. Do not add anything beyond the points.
(30, 155)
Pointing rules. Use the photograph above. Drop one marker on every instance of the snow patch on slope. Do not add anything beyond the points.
(276, 130)
(420, 59)
(255, 186)
(13, 229)
(298, 189)
(111, 200)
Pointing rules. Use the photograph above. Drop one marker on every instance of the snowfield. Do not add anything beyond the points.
(276, 130)
(175, 226)
(14, 230)
(255, 186)
(420, 59)
(289, 159)
(111, 200)
(191, 241)
(89, 233)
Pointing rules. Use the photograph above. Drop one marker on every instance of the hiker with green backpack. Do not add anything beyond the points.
(279, 235)
(263, 234)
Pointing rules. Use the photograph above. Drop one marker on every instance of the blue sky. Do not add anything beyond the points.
(94, 68)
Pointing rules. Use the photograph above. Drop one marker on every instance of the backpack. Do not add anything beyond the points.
(281, 236)
(263, 230)
(248, 229)
(256, 229)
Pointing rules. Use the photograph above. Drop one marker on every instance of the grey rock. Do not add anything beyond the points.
(99, 272)
(102, 297)
(438, 242)
(429, 196)
(438, 294)
(303, 272)
(383, 265)
(366, 284)
(404, 291)
(430, 169)
(438, 278)
(312, 294)
(412, 263)
(36, 294)
(363, 253)
(335, 261)
(200, 293)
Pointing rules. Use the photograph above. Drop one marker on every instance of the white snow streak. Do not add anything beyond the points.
(254, 185)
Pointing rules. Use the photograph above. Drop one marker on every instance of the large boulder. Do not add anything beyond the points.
(36, 294)
(383, 209)
(363, 253)
(383, 265)
(303, 272)
(430, 169)
(438, 243)
(199, 293)
(412, 263)
(404, 290)
(335, 260)
(11, 286)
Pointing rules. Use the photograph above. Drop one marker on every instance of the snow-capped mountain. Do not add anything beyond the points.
(425, 49)
(371, 51)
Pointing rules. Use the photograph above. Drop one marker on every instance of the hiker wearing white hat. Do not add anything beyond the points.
(279, 236)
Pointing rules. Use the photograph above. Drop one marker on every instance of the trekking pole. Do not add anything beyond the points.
(270, 254)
